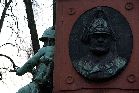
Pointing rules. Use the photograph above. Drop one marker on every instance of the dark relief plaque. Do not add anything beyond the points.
(100, 44)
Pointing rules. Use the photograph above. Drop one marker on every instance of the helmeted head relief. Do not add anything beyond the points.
(48, 33)
(99, 25)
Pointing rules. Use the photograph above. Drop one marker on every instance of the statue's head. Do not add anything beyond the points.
(99, 37)
(48, 37)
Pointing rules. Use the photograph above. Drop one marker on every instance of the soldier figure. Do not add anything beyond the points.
(102, 62)
(43, 60)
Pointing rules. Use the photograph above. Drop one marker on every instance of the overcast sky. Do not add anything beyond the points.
(43, 16)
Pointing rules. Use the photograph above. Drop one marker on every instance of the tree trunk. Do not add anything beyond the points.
(54, 12)
(32, 25)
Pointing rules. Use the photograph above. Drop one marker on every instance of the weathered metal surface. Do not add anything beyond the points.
(66, 78)
(43, 61)
(95, 43)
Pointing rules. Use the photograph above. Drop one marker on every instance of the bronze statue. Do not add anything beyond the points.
(43, 61)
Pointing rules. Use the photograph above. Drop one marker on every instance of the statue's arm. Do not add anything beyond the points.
(31, 63)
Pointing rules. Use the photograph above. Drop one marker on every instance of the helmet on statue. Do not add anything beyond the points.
(48, 33)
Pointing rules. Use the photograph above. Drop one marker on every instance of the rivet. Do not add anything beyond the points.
(69, 79)
(129, 6)
(71, 11)
(131, 78)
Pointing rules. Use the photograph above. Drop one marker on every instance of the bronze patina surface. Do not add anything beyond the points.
(97, 43)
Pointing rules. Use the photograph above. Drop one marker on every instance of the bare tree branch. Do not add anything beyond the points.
(7, 44)
(4, 13)
(54, 12)
(14, 66)
(5, 2)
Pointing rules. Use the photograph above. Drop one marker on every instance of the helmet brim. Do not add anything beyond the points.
(100, 32)
(43, 39)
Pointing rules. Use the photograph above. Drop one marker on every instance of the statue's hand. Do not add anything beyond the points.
(19, 72)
